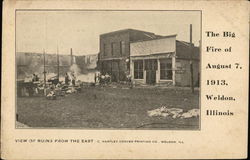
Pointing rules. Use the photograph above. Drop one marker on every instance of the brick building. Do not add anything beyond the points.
(148, 58)
(113, 57)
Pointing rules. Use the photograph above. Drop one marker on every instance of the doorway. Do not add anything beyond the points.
(151, 67)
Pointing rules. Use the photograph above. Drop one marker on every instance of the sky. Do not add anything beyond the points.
(51, 30)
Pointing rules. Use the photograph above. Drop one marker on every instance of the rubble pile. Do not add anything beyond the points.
(21, 125)
(60, 90)
(52, 89)
(191, 113)
(165, 111)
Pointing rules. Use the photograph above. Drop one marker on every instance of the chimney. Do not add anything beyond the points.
(71, 56)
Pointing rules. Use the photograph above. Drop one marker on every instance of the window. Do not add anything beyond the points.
(122, 47)
(166, 69)
(104, 49)
(138, 69)
(112, 48)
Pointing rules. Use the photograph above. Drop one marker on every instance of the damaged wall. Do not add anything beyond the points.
(29, 63)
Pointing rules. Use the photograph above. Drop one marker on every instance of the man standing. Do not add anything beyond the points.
(73, 79)
(66, 79)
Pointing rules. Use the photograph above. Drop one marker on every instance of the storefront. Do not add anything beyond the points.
(163, 61)
(153, 69)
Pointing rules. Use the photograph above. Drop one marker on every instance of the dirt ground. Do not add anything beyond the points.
(109, 108)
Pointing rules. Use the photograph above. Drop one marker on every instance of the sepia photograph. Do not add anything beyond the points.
(108, 69)
(112, 79)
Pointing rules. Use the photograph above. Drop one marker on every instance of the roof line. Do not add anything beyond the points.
(152, 54)
(123, 30)
(174, 35)
(186, 43)
(148, 36)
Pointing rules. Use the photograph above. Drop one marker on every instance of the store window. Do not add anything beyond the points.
(166, 69)
(138, 69)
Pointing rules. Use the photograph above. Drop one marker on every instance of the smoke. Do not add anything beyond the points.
(75, 69)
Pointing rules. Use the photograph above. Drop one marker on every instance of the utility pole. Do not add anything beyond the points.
(44, 73)
(199, 74)
(191, 62)
(44, 69)
(71, 56)
(58, 65)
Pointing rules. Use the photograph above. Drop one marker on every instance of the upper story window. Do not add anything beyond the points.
(104, 49)
(112, 48)
(122, 47)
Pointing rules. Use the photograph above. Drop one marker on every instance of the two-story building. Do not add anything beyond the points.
(114, 54)
(148, 58)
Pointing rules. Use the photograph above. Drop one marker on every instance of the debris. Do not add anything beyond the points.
(191, 113)
(32, 86)
(173, 112)
(51, 95)
(166, 111)
(78, 89)
(21, 125)
(69, 91)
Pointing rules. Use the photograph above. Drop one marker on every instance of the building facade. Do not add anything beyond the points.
(114, 54)
(164, 60)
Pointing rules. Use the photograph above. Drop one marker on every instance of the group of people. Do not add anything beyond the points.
(102, 79)
(35, 78)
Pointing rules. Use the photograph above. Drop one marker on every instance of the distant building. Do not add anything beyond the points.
(164, 60)
(114, 54)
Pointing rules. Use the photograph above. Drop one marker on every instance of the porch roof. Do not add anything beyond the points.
(112, 59)
(153, 56)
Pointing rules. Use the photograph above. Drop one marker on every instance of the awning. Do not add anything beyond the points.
(110, 59)
(153, 56)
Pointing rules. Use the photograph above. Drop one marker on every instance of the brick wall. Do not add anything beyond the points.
(107, 41)
(183, 77)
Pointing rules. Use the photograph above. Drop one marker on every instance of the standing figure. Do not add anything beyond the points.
(73, 79)
(107, 78)
(129, 81)
(95, 78)
(34, 77)
(98, 78)
(66, 79)
(37, 78)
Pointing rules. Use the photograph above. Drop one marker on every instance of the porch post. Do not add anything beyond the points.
(173, 68)
(132, 68)
(158, 71)
(144, 72)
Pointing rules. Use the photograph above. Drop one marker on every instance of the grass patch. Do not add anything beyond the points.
(116, 108)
